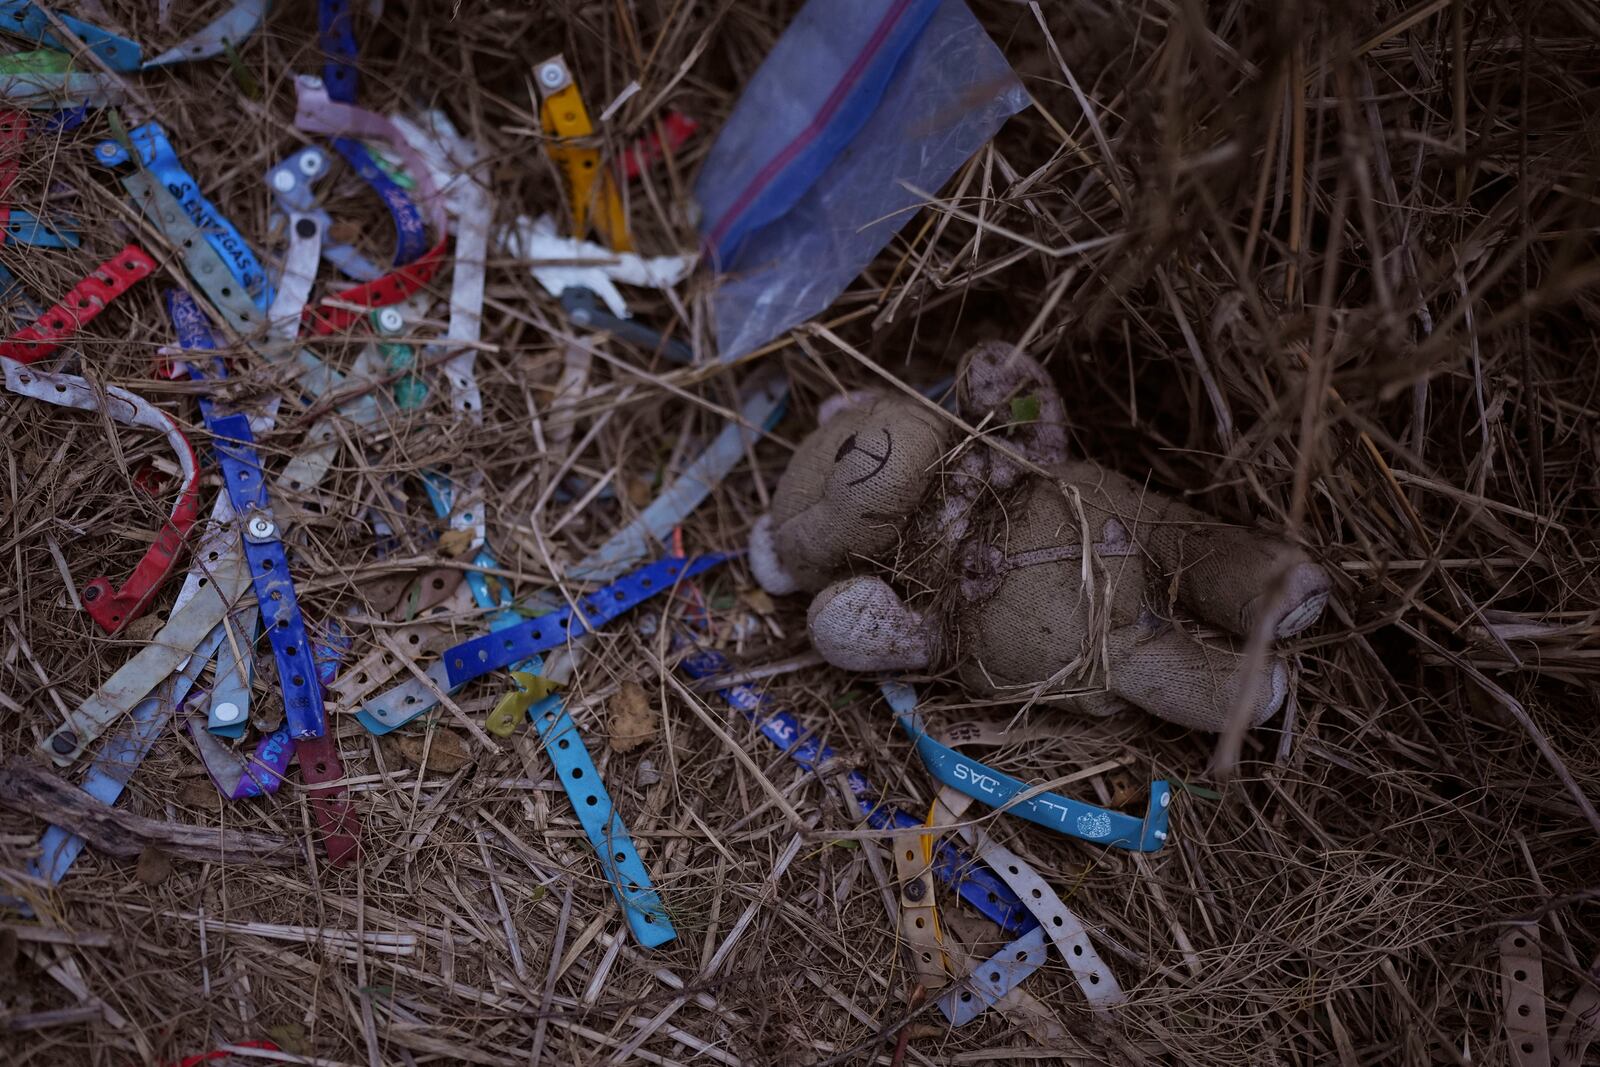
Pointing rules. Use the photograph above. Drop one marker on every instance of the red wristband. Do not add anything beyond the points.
(79, 307)
(396, 286)
(336, 816)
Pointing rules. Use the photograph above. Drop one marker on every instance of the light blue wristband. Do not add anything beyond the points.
(1062, 814)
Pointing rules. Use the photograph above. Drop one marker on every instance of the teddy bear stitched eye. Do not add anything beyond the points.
(851, 445)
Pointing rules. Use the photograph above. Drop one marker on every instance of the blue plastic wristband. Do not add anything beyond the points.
(26, 20)
(629, 879)
(25, 228)
(951, 865)
(994, 977)
(113, 768)
(162, 161)
(493, 651)
(234, 445)
(336, 34)
(410, 230)
(563, 743)
(1062, 814)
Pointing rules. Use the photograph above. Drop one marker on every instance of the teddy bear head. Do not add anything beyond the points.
(849, 491)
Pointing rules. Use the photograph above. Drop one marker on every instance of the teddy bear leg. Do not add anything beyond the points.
(1236, 578)
(1192, 683)
(860, 624)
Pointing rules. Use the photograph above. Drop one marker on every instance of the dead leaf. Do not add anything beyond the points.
(758, 600)
(633, 720)
(154, 867)
(455, 543)
(199, 793)
(1125, 789)
(640, 492)
(447, 753)
(344, 231)
(143, 628)
(290, 1037)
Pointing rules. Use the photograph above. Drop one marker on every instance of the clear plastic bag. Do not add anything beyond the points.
(808, 180)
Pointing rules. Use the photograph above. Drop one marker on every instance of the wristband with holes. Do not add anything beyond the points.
(157, 156)
(113, 767)
(291, 182)
(222, 583)
(761, 407)
(233, 26)
(495, 651)
(951, 865)
(110, 607)
(997, 789)
(79, 307)
(245, 483)
(24, 19)
(919, 916)
(455, 159)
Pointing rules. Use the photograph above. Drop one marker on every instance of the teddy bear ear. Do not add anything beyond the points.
(769, 571)
(842, 402)
(994, 377)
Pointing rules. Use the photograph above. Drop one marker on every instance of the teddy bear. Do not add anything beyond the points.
(986, 549)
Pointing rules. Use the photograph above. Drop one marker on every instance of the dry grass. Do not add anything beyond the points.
(1349, 289)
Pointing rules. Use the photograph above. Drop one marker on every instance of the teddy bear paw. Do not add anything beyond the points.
(860, 624)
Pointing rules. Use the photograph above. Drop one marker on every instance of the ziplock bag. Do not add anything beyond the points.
(807, 182)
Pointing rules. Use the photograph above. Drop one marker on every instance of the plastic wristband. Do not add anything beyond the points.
(231, 27)
(245, 482)
(336, 817)
(997, 789)
(224, 582)
(410, 391)
(161, 160)
(45, 90)
(380, 665)
(951, 865)
(317, 112)
(336, 35)
(594, 196)
(619, 859)
(454, 158)
(919, 916)
(291, 184)
(762, 406)
(24, 19)
(298, 277)
(109, 607)
(80, 306)
(228, 704)
(25, 228)
(111, 770)
(992, 979)
(494, 651)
